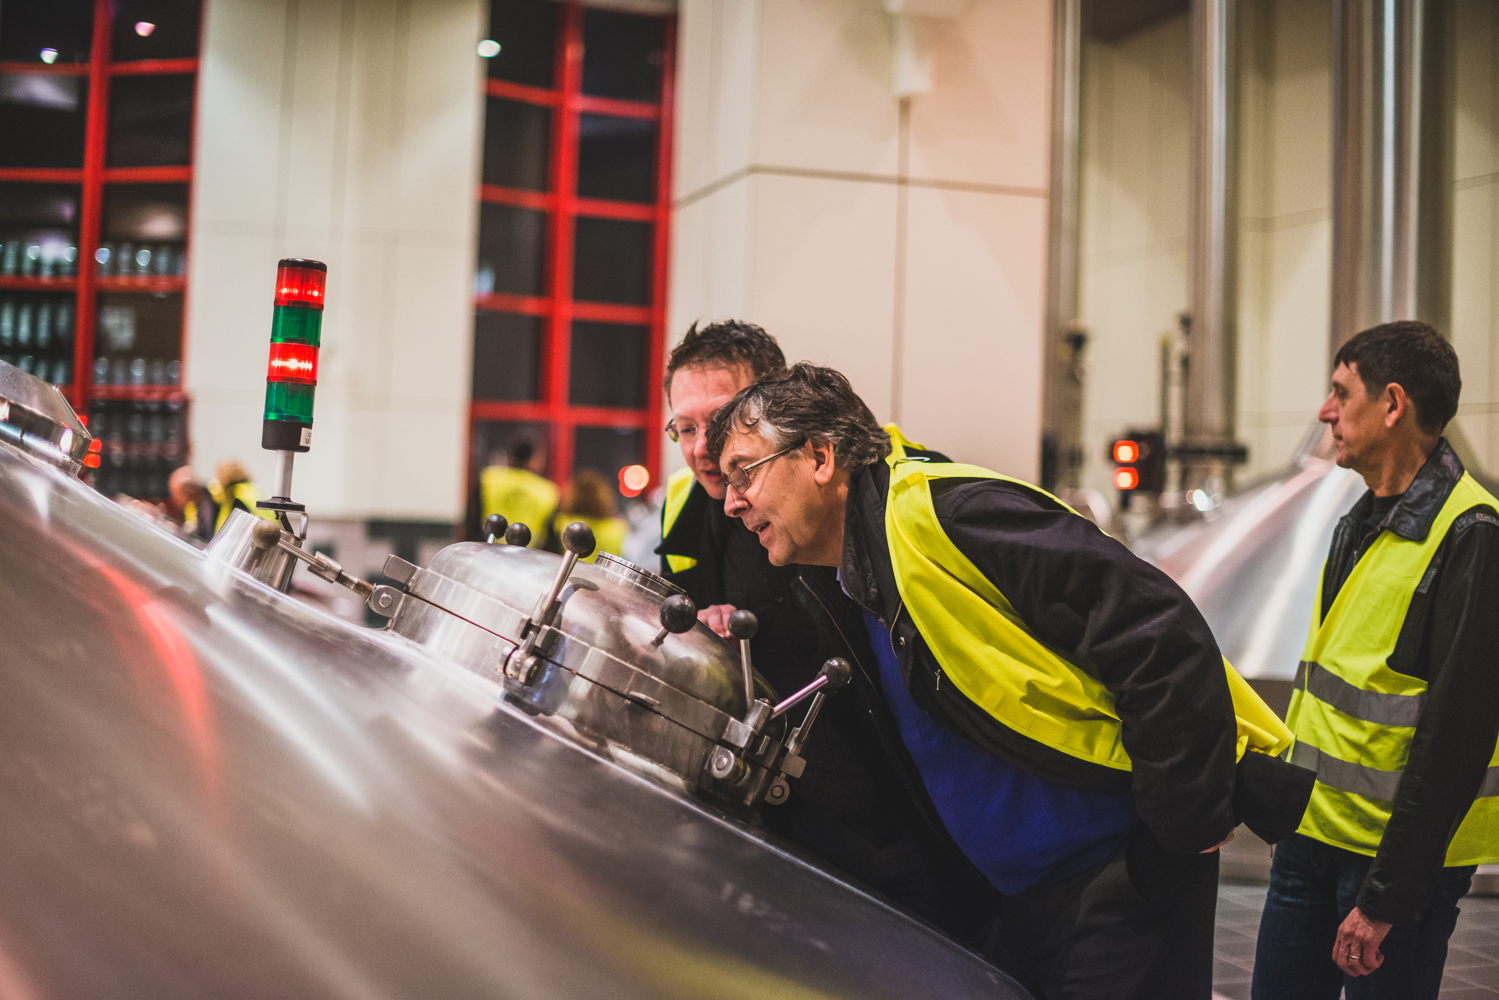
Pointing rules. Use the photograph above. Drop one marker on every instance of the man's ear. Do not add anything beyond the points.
(1396, 404)
(823, 464)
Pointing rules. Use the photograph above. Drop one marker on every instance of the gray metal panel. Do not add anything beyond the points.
(212, 790)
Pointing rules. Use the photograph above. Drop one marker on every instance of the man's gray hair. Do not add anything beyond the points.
(803, 403)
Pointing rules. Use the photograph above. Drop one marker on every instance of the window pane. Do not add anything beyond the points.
(38, 229)
(138, 340)
(512, 245)
(617, 158)
(42, 118)
(622, 55)
(36, 334)
(507, 357)
(516, 144)
(64, 25)
(612, 261)
(527, 33)
(151, 121)
(608, 365)
(144, 229)
(608, 449)
(155, 29)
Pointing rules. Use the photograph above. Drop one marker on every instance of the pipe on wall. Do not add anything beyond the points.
(1209, 407)
(1062, 392)
(1392, 155)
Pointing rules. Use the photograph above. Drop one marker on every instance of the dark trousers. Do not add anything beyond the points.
(1139, 926)
(1313, 886)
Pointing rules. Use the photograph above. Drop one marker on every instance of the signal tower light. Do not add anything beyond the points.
(291, 374)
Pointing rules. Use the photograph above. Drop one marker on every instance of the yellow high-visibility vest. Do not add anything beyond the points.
(991, 657)
(1354, 717)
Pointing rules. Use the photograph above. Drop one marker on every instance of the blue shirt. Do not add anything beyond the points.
(1017, 828)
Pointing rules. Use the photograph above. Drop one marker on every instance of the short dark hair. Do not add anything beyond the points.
(804, 403)
(725, 344)
(1413, 354)
(520, 452)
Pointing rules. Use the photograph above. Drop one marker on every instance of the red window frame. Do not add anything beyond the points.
(556, 307)
(92, 179)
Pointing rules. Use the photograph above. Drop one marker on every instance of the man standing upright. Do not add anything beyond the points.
(1396, 703)
(1062, 711)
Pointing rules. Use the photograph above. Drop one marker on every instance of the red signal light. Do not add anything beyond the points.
(1126, 452)
(1126, 477)
(292, 362)
(298, 284)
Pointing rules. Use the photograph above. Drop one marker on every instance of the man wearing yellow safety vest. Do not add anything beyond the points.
(1063, 714)
(845, 808)
(519, 492)
(1396, 702)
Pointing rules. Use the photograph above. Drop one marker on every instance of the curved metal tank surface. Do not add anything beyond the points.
(212, 790)
(1253, 568)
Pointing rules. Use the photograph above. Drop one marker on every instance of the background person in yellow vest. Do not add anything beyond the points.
(846, 808)
(1397, 697)
(518, 491)
(230, 489)
(1063, 710)
(189, 505)
(589, 498)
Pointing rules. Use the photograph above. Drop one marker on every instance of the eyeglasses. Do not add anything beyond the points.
(678, 433)
(739, 478)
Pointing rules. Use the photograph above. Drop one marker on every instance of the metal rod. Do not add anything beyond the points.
(1209, 408)
(1062, 395)
(284, 461)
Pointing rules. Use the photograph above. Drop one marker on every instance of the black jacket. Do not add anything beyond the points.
(1448, 640)
(1085, 595)
(848, 808)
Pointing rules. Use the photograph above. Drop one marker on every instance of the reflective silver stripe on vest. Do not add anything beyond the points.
(1369, 706)
(1369, 782)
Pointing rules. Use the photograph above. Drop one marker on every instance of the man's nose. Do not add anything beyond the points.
(734, 504)
(1329, 411)
(700, 445)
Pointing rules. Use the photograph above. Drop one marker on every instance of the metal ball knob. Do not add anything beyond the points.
(743, 624)
(495, 525)
(678, 614)
(838, 671)
(578, 538)
(518, 534)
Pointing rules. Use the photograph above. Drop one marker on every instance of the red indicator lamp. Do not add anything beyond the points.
(1126, 477)
(292, 363)
(1126, 452)
(291, 373)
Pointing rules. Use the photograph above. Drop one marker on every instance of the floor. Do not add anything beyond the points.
(1472, 957)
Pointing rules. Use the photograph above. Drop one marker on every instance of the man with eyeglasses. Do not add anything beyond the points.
(1063, 713)
(845, 807)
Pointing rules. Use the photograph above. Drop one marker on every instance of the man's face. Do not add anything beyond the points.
(695, 394)
(793, 503)
(1356, 419)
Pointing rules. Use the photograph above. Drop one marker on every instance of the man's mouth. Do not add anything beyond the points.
(760, 529)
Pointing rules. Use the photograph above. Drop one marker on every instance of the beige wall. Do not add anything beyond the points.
(902, 242)
(1136, 174)
(346, 132)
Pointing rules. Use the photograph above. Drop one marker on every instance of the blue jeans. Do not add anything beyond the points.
(1313, 886)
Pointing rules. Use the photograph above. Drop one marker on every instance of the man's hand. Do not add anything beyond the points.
(1356, 950)
(1225, 840)
(716, 617)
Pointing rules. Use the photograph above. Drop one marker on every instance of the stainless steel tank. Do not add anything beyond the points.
(213, 790)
